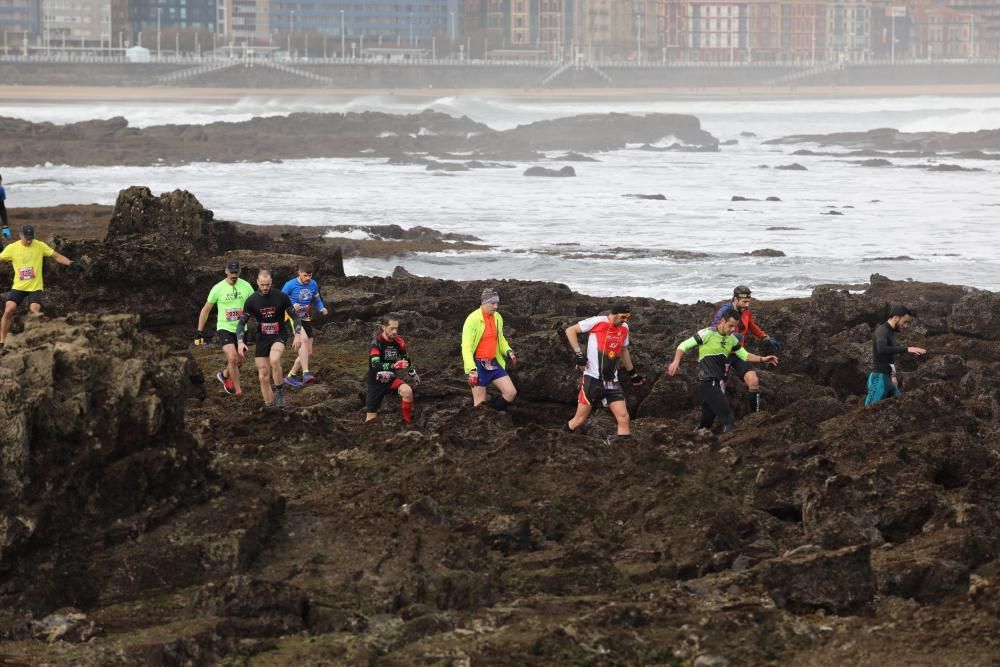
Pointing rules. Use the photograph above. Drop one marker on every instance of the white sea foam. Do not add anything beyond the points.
(943, 221)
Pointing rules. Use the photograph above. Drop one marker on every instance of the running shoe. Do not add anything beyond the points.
(292, 382)
(227, 383)
(307, 377)
(279, 397)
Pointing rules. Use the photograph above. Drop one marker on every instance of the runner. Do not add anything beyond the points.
(486, 353)
(389, 370)
(607, 346)
(746, 325)
(5, 230)
(229, 295)
(303, 292)
(269, 308)
(882, 381)
(715, 345)
(28, 259)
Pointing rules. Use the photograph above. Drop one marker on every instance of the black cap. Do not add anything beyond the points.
(28, 231)
(621, 308)
(899, 310)
(741, 292)
(232, 266)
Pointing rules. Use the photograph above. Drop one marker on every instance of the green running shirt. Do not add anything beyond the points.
(713, 351)
(229, 300)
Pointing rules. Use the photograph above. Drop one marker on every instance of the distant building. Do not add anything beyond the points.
(170, 14)
(400, 23)
(22, 16)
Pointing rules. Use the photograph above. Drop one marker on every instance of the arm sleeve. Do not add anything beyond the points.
(688, 344)
(754, 329)
(718, 313)
(319, 300)
(742, 353)
(469, 343)
(47, 250)
(286, 289)
(882, 343)
(5, 254)
(591, 322)
(375, 357)
(502, 343)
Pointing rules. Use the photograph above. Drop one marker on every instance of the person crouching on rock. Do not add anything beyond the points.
(745, 327)
(269, 307)
(389, 370)
(486, 353)
(228, 295)
(882, 381)
(715, 344)
(607, 346)
(27, 257)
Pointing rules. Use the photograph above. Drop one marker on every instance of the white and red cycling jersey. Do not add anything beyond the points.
(604, 346)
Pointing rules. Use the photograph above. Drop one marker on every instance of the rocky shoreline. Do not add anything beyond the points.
(149, 518)
(314, 135)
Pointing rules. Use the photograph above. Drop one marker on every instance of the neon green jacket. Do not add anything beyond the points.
(472, 333)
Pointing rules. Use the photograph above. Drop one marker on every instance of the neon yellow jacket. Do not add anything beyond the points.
(472, 333)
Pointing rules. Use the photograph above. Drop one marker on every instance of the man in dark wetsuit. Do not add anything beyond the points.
(269, 308)
(607, 346)
(882, 382)
(389, 370)
(5, 235)
(744, 327)
(715, 345)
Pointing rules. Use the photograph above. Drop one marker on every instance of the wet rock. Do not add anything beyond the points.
(952, 167)
(795, 166)
(425, 509)
(729, 142)
(765, 252)
(741, 198)
(772, 198)
(837, 582)
(68, 625)
(656, 197)
(543, 171)
(257, 608)
(832, 212)
(924, 580)
(576, 157)
(876, 162)
(977, 314)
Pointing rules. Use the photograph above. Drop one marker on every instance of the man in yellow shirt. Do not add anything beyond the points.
(27, 257)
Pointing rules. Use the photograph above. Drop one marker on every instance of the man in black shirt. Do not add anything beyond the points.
(269, 307)
(882, 382)
(389, 370)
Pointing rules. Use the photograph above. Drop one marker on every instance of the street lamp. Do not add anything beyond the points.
(342, 34)
(291, 29)
(159, 10)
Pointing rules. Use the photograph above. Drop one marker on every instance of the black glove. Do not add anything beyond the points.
(773, 344)
(637, 380)
(76, 266)
(581, 360)
(199, 338)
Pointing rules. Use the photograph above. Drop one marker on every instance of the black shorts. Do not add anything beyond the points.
(20, 296)
(377, 391)
(264, 344)
(737, 366)
(307, 326)
(226, 338)
(594, 391)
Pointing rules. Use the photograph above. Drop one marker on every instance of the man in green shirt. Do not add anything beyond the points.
(715, 344)
(229, 295)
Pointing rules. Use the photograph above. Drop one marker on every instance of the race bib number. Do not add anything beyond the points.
(612, 386)
(270, 328)
(26, 273)
(233, 314)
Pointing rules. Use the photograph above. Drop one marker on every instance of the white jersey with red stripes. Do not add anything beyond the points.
(604, 346)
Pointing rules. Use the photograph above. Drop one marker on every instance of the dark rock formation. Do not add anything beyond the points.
(402, 139)
(765, 252)
(556, 173)
(795, 166)
(891, 139)
(206, 530)
(656, 197)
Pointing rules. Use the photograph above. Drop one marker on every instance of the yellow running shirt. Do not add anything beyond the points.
(27, 261)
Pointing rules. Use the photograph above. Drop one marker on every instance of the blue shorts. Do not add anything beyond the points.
(489, 370)
(880, 386)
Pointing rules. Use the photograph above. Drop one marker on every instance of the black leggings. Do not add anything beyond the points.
(715, 404)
